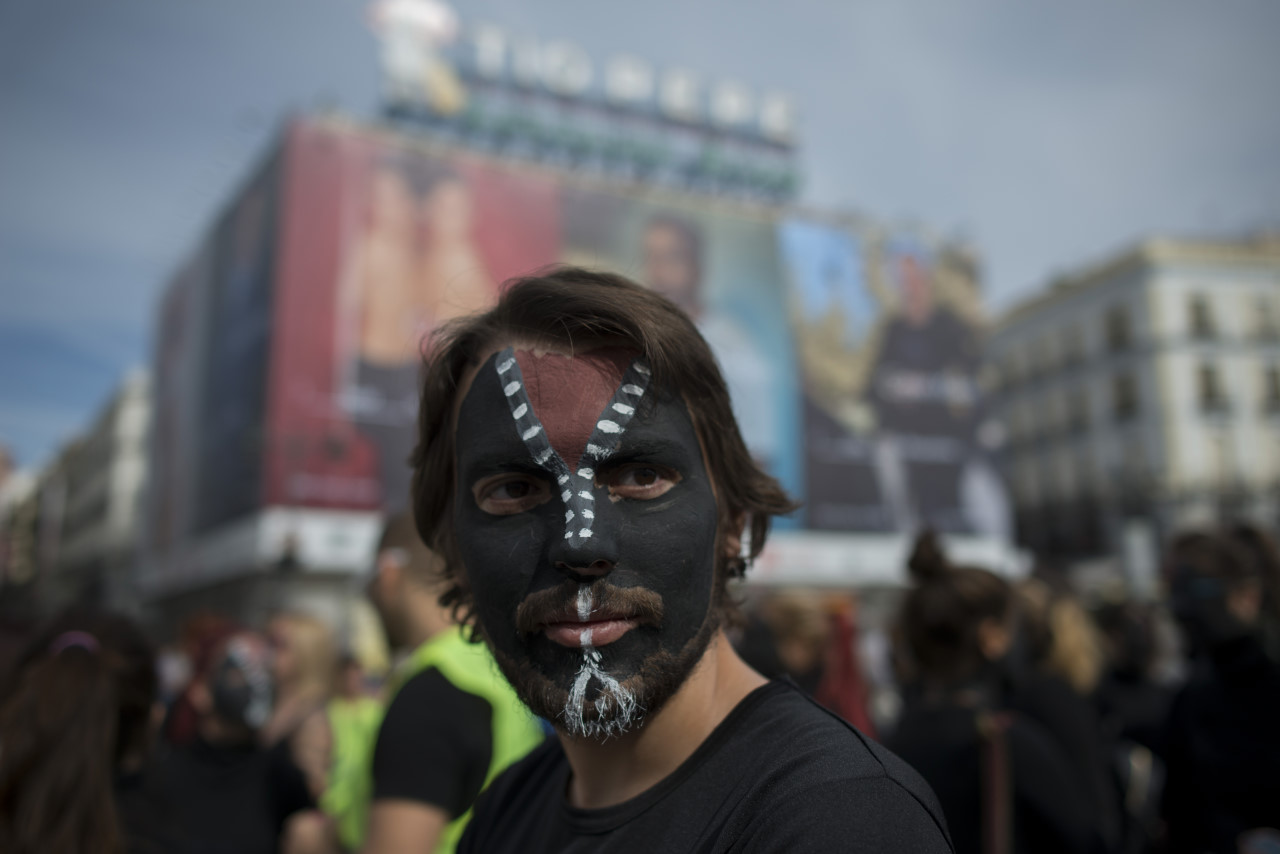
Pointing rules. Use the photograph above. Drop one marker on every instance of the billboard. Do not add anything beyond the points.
(851, 353)
(381, 242)
(889, 332)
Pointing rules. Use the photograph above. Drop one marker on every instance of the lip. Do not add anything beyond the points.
(594, 633)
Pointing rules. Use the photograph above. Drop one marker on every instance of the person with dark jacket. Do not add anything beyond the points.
(1222, 741)
(1003, 781)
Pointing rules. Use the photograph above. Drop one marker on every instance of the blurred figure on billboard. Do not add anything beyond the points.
(1222, 739)
(413, 265)
(76, 728)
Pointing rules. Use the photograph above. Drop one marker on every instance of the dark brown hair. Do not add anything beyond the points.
(76, 705)
(568, 307)
(942, 612)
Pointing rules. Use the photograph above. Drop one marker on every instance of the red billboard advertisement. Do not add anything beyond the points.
(380, 241)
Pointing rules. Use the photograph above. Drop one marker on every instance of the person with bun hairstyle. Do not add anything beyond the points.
(1222, 740)
(1002, 780)
(76, 716)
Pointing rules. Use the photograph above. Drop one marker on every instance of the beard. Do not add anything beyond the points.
(600, 693)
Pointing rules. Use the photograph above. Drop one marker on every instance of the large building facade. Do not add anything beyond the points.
(1143, 393)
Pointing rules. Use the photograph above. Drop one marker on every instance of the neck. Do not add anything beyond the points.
(610, 772)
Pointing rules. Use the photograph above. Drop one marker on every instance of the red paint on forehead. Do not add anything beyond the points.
(570, 393)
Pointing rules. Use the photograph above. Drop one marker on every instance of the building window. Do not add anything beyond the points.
(1124, 397)
(1201, 317)
(1118, 332)
(1212, 396)
(1271, 389)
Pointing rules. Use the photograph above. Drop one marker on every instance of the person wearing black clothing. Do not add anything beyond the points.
(957, 729)
(223, 789)
(1222, 741)
(434, 745)
(596, 498)
(780, 773)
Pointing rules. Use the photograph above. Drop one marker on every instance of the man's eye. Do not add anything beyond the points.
(641, 481)
(507, 494)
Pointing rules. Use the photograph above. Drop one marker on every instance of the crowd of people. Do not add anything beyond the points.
(1025, 723)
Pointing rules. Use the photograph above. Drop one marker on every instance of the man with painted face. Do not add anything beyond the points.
(581, 472)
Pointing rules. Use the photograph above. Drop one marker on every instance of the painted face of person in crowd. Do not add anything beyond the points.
(586, 523)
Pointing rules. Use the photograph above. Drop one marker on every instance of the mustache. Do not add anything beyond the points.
(559, 604)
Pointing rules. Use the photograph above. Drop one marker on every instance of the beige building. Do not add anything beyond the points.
(1144, 391)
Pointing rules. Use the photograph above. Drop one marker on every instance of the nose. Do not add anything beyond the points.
(583, 574)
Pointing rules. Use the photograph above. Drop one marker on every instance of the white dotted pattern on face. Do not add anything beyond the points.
(576, 497)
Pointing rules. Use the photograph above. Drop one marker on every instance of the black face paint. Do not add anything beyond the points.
(587, 525)
(242, 688)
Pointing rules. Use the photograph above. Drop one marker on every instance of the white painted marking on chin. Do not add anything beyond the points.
(616, 707)
(511, 388)
(520, 411)
(633, 390)
(609, 427)
(531, 432)
(623, 409)
(505, 366)
(586, 473)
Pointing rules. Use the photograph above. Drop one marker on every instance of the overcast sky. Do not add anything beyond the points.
(1048, 133)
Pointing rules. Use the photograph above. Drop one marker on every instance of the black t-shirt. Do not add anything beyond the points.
(434, 746)
(780, 773)
(222, 799)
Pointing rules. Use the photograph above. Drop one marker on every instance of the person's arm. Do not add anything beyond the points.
(397, 826)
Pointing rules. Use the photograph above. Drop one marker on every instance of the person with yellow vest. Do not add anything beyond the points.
(452, 721)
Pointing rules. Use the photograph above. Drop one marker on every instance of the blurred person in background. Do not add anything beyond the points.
(198, 639)
(1222, 741)
(353, 717)
(77, 724)
(1132, 708)
(452, 722)
(1005, 784)
(304, 665)
(220, 786)
(1054, 683)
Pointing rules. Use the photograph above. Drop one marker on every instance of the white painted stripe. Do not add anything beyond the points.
(562, 479)
(585, 602)
(587, 514)
(607, 426)
(623, 409)
(585, 638)
(586, 473)
(566, 495)
(587, 496)
(544, 456)
(511, 388)
(568, 516)
(641, 367)
(632, 389)
(531, 432)
(598, 452)
(584, 533)
(503, 367)
(520, 411)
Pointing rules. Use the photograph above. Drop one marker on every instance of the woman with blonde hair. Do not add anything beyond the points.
(305, 667)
